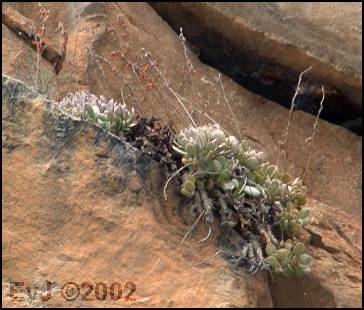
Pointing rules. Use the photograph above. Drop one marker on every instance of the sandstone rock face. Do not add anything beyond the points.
(334, 176)
(80, 205)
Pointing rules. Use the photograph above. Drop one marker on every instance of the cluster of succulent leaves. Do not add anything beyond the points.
(292, 220)
(110, 115)
(212, 160)
(204, 151)
(288, 259)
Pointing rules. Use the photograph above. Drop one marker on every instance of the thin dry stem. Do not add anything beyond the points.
(171, 177)
(63, 39)
(208, 235)
(166, 108)
(135, 97)
(37, 70)
(39, 40)
(309, 139)
(228, 104)
(168, 85)
(183, 40)
(283, 144)
(97, 57)
(192, 228)
(122, 94)
(204, 261)
(74, 53)
(48, 81)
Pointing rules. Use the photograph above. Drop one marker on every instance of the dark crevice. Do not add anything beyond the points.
(258, 74)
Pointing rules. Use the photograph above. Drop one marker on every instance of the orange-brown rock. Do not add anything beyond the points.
(80, 205)
(335, 243)
(334, 175)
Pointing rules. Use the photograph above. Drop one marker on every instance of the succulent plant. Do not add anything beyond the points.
(212, 155)
(288, 258)
(264, 171)
(227, 179)
(110, 115)
(251, 159)
(231, 178)
(206, 152)
(292, 219)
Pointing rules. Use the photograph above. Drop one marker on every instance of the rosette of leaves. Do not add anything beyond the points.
(250, 159)
(279, 186)
(199, 144)
(288, 196)
(118, 121)
(265, 171)
(292, 220)
(297, 192)
(275, 189)
(289, 259)
(293, 190)
(110, 115)
(208, 156)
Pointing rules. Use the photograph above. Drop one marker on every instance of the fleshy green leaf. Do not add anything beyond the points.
(270, 249)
